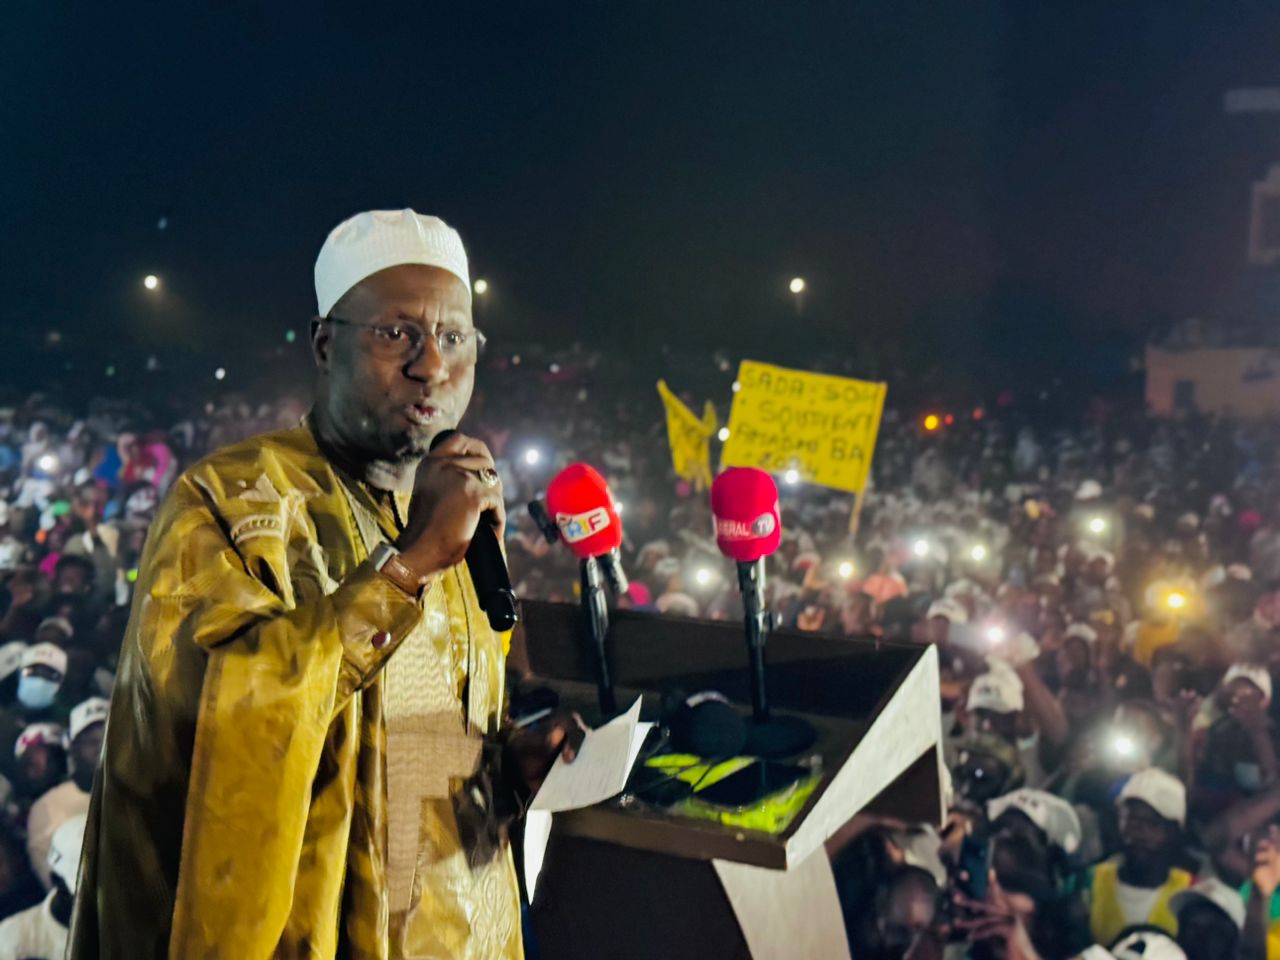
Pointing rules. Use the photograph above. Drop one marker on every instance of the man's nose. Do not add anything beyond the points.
(429, 365)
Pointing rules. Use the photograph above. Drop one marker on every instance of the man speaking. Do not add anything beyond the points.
(305, 755)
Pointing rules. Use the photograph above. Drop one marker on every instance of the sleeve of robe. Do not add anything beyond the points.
(279, 671)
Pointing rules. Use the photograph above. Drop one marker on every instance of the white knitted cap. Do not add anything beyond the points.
(376, 239)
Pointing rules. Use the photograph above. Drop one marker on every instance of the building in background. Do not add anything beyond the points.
(1231, 364)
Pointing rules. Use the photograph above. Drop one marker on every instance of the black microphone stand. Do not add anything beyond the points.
(593, 572)
(595, 619)
(767, 736)
(758, 623)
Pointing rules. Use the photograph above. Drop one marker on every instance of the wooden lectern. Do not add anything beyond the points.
(626, 881)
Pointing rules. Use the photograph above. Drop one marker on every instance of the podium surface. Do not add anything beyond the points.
(627, 879)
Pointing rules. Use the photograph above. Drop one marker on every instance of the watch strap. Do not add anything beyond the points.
(388, 562)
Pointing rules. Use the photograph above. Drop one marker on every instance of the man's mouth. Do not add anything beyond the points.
(422, 414)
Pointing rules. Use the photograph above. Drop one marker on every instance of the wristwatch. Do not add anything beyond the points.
(388, 562)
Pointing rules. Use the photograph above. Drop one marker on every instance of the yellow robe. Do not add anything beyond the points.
(247, 803)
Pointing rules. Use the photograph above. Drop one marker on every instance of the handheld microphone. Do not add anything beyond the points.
(488, 568)
(744, 501)
(586, 519)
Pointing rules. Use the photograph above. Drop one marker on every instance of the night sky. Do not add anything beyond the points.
(952, 179)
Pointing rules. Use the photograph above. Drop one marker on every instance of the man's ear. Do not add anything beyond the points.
(321, 344)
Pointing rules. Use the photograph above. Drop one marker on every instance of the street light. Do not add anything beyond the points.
(482, 286)
(797, 288)
(151, 281)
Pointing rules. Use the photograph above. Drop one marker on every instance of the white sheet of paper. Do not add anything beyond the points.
(600, 771)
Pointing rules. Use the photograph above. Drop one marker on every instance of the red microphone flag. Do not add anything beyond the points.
(745, 503)
(579, 501)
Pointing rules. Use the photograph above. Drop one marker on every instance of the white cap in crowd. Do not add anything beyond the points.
(45, 655)
(677, 604)
(1161, 791)
(58, 623)
(376, 239)
(948, 609)
(49, 734)
(86, 714)
(1225, 898)
(1084, 632)
(11, 657)
(666, 567)
(1053, 815)
(1089, 490)
(1148, 945)
(1256, 674)
(998, 690)
(65, 847)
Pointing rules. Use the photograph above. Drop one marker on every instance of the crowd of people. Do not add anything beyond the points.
(1104, 600)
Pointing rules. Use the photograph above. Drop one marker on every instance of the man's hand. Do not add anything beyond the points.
(999, 919)
(1266, 868)
(450, 497)
(536, 748)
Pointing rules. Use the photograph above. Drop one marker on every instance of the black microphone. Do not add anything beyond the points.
(488, 567)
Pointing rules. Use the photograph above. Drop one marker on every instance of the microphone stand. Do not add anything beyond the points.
(767, 736)
(758, 622)
(595, 618)
(592, 574)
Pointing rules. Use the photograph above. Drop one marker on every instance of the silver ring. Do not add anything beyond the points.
(488, 476)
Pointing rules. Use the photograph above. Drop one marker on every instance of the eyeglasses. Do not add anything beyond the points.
(403, 342)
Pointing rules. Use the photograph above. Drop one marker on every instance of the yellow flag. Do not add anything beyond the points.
(690, 437)
(820, 426)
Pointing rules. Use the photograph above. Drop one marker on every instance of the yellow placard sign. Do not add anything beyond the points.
(690, 437)
(821, 426)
